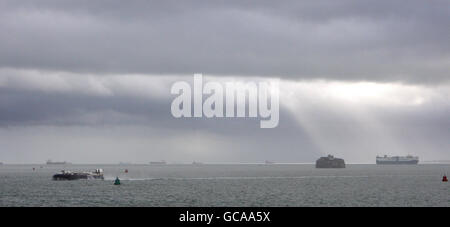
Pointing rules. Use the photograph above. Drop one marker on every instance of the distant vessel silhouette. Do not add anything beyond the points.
(125, 163)
(50, 162)
(162, 162)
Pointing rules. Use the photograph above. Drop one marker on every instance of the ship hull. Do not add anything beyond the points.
(409, 162)
(76, 176)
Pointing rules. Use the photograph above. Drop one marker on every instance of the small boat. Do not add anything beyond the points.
(68, 175)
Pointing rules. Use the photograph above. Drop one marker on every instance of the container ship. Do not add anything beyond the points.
(397, 160)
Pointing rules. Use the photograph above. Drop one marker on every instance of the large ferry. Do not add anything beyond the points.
(397, 160)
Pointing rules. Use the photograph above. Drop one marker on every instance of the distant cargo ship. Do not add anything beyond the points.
(397, 160)
(158, 163)
(50, 162)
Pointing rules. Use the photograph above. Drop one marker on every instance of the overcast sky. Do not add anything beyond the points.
(89, 81)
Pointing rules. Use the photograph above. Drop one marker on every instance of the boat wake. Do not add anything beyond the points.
(134, 179)
(230, 178)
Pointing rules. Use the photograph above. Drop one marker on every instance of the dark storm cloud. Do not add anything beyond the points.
(358, 40)
(19, 107)
(119, 125)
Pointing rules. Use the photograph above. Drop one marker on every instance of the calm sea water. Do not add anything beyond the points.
(228, 185)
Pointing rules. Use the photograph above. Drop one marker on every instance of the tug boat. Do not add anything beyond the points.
(68, 175)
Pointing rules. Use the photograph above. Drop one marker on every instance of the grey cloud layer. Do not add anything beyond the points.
(356, 120)
(357, 40)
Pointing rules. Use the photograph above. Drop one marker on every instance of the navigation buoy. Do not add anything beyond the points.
(126, 170)
(444, 179)
(117, 181)
(34, 169)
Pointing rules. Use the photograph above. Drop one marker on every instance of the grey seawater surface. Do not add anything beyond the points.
(228, 185)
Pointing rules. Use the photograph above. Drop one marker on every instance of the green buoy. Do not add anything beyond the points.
(117, 181)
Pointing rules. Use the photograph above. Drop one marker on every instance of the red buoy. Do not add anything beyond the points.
(444, 179)
(126, 170)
